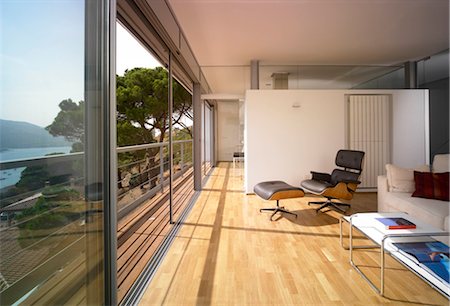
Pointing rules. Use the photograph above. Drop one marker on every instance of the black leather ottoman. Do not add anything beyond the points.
(277, 190)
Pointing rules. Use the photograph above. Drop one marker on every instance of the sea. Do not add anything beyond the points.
(12, 176)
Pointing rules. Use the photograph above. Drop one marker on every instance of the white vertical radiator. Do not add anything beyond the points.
(369, 131)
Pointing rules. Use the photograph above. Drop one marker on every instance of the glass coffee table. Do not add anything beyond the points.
(384, 239)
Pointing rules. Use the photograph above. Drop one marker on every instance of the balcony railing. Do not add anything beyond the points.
(155, 176)
(143, 173)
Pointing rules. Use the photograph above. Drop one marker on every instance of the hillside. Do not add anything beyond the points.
(17, 134)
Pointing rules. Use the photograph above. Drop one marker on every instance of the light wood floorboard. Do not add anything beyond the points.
(228, 253)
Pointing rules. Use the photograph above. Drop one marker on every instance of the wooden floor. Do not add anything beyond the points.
(228, 253)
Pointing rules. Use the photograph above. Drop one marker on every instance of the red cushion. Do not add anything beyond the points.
(441, 186)
(424, 185)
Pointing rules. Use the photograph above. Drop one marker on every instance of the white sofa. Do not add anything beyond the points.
(433, 212)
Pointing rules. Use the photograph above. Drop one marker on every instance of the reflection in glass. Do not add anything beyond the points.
(433, 74)
(142, 119)
(143, 158)
(182, 128)
(51, 221)
(182, 135)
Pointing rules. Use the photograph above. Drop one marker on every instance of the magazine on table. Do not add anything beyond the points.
(433, 256)
(396, 223)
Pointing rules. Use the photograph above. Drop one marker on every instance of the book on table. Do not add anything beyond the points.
(396, 223)
(432, 256)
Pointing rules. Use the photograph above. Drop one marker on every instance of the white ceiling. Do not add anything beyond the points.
(230, 33)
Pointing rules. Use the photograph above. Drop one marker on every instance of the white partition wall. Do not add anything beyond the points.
(288, 133)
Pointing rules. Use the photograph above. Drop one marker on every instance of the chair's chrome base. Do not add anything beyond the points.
(277, 209)
(329, 203)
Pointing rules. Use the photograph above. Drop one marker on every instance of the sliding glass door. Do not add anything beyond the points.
(60, 242)
(55, 151)
(155, 158)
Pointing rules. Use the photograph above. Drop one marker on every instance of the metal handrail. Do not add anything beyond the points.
(53, 159)
(154, 182)
(31, 192)
(148, 146)
(37, 161)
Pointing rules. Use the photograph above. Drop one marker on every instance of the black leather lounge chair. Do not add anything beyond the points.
(340, 184)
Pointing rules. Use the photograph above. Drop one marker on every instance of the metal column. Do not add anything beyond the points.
(170, 89)
(197, 143)
(254, 74)
(410, 75)
(100, 158)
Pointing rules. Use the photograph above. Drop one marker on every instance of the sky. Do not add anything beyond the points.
(130, 53)
(42, 57)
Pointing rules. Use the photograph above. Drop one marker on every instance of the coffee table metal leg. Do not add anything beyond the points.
(350, 239)
(341, 237)
(382, 266)
(374, 287)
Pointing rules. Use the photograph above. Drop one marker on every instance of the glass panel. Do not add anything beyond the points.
(51, 215)
(329, 77)
(183, 182)
(433, 69)
(142, 113)
(182, 128)
(391, 80)
(143, 158)
(433, 74)
(278, 77)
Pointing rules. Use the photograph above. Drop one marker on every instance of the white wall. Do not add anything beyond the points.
(410, 128)
(286, 143)
(227, 130)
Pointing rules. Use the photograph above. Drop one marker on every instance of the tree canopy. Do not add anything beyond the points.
(142, 108)
(69, 123)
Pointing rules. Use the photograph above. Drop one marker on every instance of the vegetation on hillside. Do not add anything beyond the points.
(17, 134)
